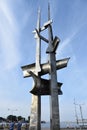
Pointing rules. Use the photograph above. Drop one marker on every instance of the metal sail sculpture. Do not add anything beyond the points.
(43, 86)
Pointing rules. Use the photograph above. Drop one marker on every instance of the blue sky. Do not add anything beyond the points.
(17, 48)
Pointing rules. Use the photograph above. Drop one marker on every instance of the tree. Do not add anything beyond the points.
(2, 119)
(20, 118)
(12, 118)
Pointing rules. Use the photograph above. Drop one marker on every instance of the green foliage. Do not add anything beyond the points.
(12, 118)
(20, 118)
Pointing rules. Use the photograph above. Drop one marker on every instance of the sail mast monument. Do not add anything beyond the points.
(42, 87)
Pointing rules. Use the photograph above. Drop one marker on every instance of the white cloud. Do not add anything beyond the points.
(8, 36)
(7, 13)
(66, 42)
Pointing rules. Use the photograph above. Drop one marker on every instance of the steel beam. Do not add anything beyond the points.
(45, 68)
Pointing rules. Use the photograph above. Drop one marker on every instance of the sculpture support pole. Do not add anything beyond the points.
(35, 117)
(38, 69)
(54, 102)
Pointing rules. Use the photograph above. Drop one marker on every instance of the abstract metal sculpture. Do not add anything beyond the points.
(43, 86)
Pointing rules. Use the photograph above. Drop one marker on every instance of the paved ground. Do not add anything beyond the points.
(66, 129)
(49, 129)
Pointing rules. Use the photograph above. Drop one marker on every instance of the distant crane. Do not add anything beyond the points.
(81, 113)
(76, 112)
